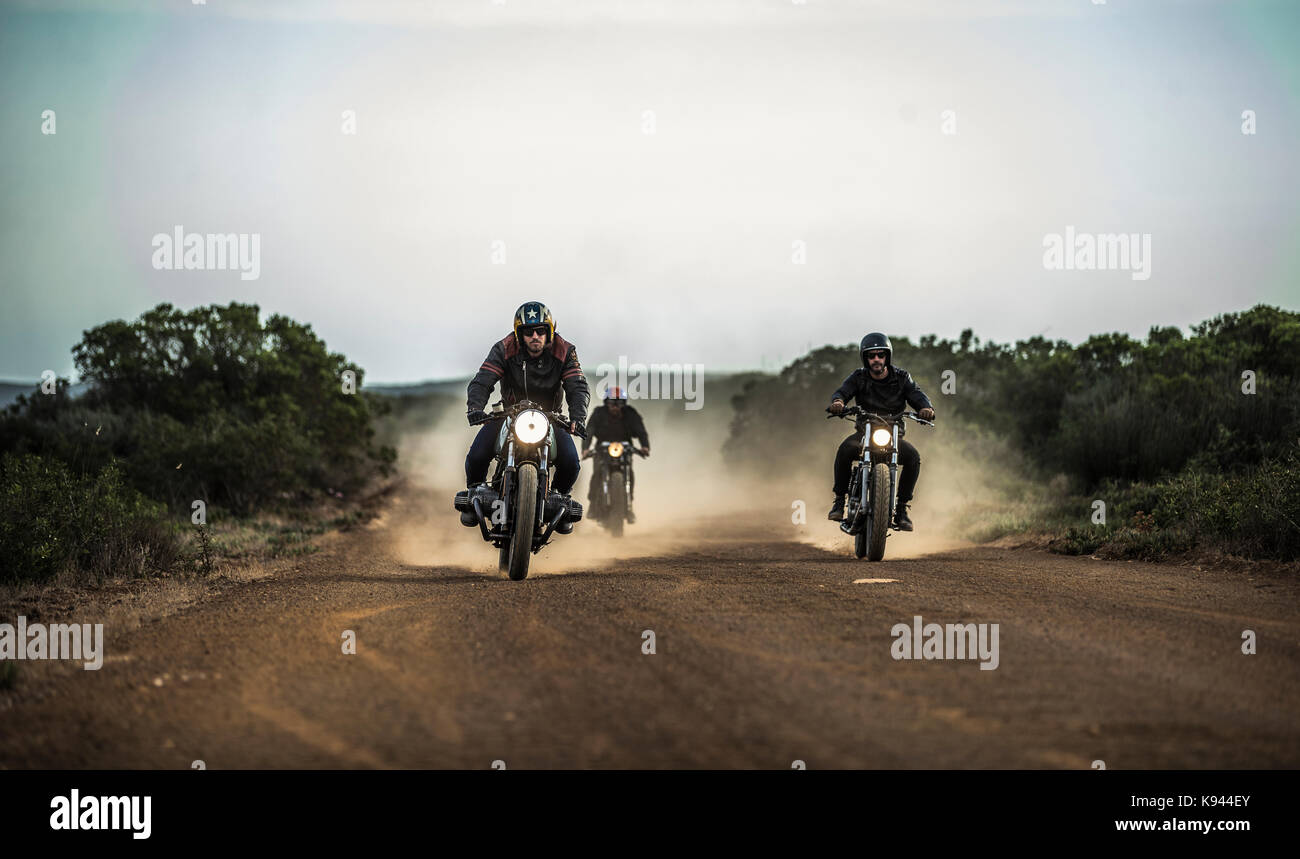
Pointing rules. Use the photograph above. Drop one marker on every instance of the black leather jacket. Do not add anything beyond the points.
(886, 396)
(606, 427)
(548, 380)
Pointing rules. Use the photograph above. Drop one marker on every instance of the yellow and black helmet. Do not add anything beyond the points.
(532, 314)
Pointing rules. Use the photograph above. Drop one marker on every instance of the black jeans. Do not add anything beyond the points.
(908, 457)
(564, 458)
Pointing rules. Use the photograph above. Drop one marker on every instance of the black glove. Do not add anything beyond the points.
(580, 430)
(477, 417)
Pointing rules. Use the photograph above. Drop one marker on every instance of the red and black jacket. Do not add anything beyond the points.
(547, 380)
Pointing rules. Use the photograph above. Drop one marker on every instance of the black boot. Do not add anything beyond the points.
(837, 509)
(901, 519)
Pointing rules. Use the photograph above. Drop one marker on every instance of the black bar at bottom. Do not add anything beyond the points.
(214, 808)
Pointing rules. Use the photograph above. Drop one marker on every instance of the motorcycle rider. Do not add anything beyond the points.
(531, 363)
(885, 389)
(614, 421)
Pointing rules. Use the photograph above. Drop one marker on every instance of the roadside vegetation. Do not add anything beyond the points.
(1192, 441)
(254, 419)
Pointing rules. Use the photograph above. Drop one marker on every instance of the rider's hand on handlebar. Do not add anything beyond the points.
(837, 406)
(586, 454)
(477, 417)
(645, 451)
(926, 414)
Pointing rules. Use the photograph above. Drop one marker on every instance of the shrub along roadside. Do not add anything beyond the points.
(251, 417)
(53, 523)
(1250, 513)
(212, 404)
(51, 520)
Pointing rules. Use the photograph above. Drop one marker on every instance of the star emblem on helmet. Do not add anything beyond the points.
(532, 313)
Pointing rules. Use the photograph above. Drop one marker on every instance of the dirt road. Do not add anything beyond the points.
(767, 650)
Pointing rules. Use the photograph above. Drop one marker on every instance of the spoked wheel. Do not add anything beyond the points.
(879, 524)
(521, 544)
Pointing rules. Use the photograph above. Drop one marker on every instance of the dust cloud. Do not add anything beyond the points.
(686, 495)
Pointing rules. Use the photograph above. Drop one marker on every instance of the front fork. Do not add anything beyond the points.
(543, 480)
(508, 487)
(864, 474)
(893, 473)
(625, 474)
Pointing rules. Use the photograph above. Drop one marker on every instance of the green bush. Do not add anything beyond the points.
(1079, 540)
(210, 404)
(1253, 512)
(52, 521)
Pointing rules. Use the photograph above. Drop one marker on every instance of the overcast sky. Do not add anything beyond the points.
(527, 123)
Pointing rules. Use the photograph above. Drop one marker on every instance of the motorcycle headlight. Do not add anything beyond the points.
(531, 426)
(615, 449)
(881, 437)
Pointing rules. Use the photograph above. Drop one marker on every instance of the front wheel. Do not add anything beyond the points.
(521, 544)
(617, 506)
(879, 512)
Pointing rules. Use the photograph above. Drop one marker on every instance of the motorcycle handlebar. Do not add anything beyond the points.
(627, 445)
(855, 411)
(554, 417)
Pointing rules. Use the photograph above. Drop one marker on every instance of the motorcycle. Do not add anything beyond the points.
(614, 484)
(869, 511)
(514, 510)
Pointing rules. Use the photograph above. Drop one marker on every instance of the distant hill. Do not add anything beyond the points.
(721, 384)
(420, 389)
(9, 391)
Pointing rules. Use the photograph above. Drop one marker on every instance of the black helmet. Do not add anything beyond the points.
(873, 341)
(532, 313)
